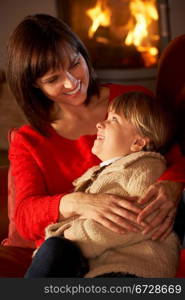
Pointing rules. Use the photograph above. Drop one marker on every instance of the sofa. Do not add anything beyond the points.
(14, 260)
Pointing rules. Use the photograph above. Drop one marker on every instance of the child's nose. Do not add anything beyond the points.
(99, 125)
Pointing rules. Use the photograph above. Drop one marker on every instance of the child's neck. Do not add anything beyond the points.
(109, 161)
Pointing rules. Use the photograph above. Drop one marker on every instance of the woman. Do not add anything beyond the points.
(51, 77)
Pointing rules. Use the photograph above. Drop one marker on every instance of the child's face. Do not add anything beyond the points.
(115, 137)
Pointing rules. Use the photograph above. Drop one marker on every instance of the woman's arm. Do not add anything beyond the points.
(34, 207)
(165, 194)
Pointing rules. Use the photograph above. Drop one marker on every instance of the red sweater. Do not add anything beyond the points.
(44, 168)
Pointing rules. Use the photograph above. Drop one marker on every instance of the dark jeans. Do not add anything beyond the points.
(58, 258)
(117, 275)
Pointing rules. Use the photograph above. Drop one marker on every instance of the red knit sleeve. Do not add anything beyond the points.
(34, 208)
(176, 169)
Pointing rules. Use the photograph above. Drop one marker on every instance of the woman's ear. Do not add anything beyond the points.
(139, 143)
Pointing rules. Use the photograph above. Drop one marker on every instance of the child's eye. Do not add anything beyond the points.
(114, 119)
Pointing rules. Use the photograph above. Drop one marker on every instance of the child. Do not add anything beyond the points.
(128, 143)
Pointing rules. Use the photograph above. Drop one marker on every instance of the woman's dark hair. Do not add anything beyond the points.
(38, 45)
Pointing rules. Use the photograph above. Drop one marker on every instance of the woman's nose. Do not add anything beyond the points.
(69, 81)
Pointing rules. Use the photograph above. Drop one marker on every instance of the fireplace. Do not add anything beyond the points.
(124, 37)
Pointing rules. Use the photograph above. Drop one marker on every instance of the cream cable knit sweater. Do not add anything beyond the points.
(107, 251)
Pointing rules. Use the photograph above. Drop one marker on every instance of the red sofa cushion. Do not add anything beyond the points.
(181, 269)
(14, 239)
(3, 202)
(14, 261)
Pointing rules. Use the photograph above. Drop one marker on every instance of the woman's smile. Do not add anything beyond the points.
(75, 91)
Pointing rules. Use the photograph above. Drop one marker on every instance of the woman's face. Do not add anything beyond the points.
(69, 84)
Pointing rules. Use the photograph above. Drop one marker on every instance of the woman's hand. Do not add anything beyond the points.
(163, 197)
(113, 212)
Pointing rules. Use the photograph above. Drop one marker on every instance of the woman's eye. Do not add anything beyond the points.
(75, 63)
(51, 80)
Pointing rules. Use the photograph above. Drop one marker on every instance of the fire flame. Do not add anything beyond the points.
(144, 12)
(100, 15)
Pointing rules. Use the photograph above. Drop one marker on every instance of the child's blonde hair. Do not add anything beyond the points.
(149, 118)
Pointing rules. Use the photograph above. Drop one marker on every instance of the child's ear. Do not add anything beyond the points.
(139, 143)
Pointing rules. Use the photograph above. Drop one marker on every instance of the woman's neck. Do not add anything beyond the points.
(68, 111)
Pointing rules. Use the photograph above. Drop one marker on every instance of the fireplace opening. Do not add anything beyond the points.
(119, 34)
